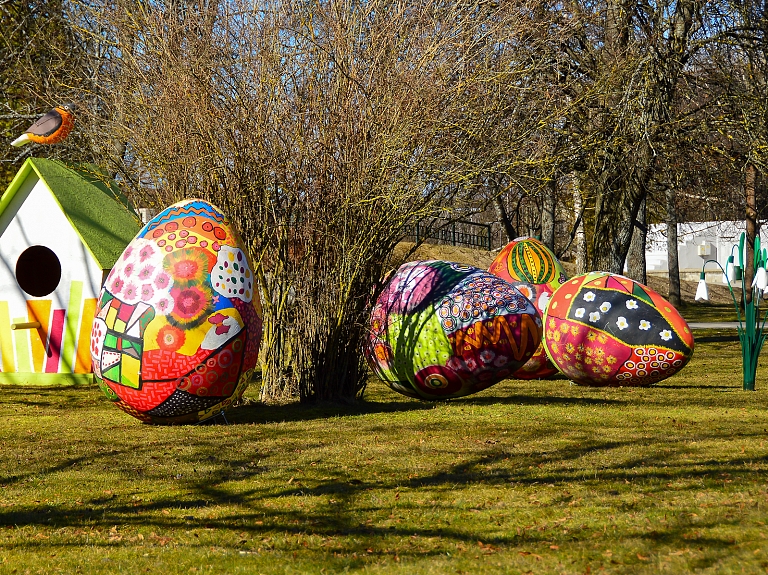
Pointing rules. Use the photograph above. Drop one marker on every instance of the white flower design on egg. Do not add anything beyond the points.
(621, 322)
(589, 296)
(666, 335)
(579, 313)
(632, 304)
(645, 325)
(605, 306)
(594, 316)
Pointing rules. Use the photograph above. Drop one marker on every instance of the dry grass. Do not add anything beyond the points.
(478, 258)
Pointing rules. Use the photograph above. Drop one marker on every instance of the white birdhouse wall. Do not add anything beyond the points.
(47, 275)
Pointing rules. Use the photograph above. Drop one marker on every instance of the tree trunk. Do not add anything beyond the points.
(628, 166)
(616, 206)
(751, 212)
(672, 255)
(636, 264)
(501, 214)
(548, 215)
(581, 238)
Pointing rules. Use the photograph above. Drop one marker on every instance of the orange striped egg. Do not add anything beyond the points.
(534, 270)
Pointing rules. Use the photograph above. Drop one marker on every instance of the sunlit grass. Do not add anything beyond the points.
(525, 477)
(706, 312)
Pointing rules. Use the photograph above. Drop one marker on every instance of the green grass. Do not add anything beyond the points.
(707, 312)
(538, 477)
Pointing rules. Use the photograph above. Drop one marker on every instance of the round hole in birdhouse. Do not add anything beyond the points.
(38, 271)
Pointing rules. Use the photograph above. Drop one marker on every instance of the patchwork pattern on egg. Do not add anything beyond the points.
(441, 330)
(605, 329)
(533, 269)
(178, 323)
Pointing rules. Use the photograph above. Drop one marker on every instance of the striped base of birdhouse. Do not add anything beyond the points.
(46, 379)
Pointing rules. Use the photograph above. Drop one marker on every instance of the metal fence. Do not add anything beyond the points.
(456, 233)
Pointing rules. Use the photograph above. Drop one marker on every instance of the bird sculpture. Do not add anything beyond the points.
(52, 128)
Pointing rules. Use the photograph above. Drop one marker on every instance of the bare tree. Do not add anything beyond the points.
(40, 60)
(737, 67)
(636, 264)
(621, 62)
(322, 128)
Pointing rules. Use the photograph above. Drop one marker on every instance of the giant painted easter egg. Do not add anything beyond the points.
(178, 322)
(533, 269)
(606, 329)
(441, 330)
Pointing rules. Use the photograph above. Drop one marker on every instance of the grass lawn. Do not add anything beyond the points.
(537, 477)
(707, 312)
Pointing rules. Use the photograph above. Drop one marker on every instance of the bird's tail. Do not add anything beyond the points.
(21, 140)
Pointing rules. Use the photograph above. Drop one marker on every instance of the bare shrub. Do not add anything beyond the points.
(322, 128)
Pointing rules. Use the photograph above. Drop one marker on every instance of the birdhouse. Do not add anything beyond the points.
(61, 231)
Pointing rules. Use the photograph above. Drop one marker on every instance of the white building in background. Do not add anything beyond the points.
(697, 242)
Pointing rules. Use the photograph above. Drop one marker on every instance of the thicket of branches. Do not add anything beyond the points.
(39, 54)
(323, 127)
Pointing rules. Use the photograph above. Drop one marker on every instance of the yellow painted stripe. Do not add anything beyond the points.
(21, 338)
(39, 310)
(6, 339)
(83, 360)
(70, 326)
(36, 379)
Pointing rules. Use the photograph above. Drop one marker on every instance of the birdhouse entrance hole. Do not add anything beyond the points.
(38, 271)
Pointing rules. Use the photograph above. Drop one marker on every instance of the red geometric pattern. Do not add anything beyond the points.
(218, 375)
(162, 364)
(214, 376)
(253, 325)
(151, 394)
(649, 365)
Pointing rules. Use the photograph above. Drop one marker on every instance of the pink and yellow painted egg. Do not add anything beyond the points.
(604, 329)
(442, 330)
(533, 269)
(178, 322)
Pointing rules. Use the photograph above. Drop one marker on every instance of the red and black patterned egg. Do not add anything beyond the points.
(605, 329)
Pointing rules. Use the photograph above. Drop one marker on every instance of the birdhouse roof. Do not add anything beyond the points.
(100, 214)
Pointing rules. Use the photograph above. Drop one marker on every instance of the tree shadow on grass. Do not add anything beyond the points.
(344, 503)
(261, 503)
(539, 400)
(67, 396)
(256, 412)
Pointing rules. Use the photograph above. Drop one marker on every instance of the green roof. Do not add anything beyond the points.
(93, 204)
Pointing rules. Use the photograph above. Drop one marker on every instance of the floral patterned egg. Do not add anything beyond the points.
(606, 329)
(441, 330)
(178, 323)
(533, 269)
